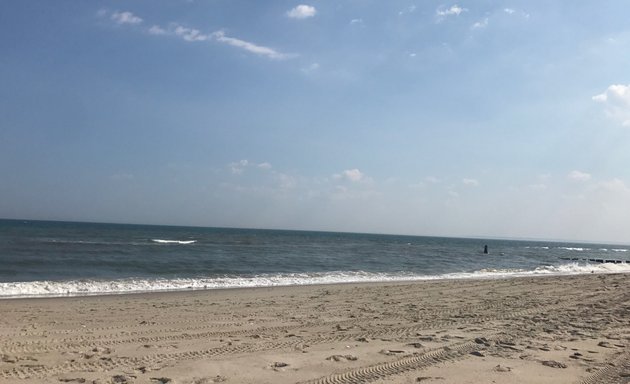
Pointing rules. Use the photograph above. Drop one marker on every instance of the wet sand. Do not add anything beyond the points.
(525, 330)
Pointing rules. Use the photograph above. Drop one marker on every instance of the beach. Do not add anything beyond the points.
(554, 329)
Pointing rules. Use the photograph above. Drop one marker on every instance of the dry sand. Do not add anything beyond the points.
(525, 330)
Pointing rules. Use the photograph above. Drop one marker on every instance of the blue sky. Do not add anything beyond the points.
(469, 118)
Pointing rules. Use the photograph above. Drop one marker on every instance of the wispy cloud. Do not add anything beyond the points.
(514, 12)
(491, 16)
(195, 35)
(190, 34)
(579, 176)
(125, 18)
(481, 24)
(302, 11)
(453, 10)
(353, 175)
(239, 167)
(157, 30)
(616, 185)
(260, 50)
(470, 182)
(410, 9)
(311, 68)
(617, 103)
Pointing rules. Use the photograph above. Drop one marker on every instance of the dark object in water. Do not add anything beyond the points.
(485, 249)
(611, 261)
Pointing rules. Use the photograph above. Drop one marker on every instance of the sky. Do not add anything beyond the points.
(468, 118)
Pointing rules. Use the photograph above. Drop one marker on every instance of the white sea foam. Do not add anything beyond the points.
(620, 250)
(578, 249)
(101, 287)
(160, 241)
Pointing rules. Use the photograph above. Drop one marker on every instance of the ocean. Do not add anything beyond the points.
(43, 258)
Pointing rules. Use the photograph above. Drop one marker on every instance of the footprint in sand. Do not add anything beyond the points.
(8, 359)
(339, 358)
(553, 364)
(209, 380)
(279, 366)
(162, 380)
(122, 379)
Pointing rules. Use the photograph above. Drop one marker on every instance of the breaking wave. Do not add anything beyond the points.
(122, 286)
(160, 241)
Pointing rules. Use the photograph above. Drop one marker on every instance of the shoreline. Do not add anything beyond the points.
(492, 274)
(536, 329)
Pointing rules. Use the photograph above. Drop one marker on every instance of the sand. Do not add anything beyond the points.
(525, 330)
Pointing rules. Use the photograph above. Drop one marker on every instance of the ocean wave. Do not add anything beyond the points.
(122, 286)
(160, 241)
(143, 242)
(578, 249)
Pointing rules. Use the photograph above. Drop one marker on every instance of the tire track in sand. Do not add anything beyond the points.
(110, 363)
(617, 371)
(379, 371)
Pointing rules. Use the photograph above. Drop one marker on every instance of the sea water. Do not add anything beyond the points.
(39, 258)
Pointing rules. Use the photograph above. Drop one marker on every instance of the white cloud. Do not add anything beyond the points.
(616, 92)
(250, 47)
(195, 35)
(470, 182)
(285, 181)
(617, 103)
(514, 12)
(481, 24)
(452, 193)
(238, 167)
(353, 175)
(578, 176)
(432, 180)
(615, 185)
(356, 21)
(454, 10)
(311, 68)
(125, 18)
(190, 34)
(157, 30)
(302, 12)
